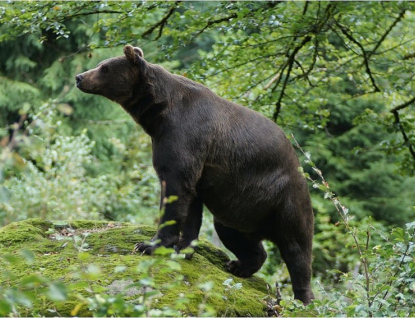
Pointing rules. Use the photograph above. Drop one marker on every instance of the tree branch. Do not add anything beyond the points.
(69, 17)
(291, 59)
(395, 112)
(404, 105)
(161, 23)
(313, 63)
(212, 22)
(364, 53)
(229, 17)
(383, 37)
(290, 63)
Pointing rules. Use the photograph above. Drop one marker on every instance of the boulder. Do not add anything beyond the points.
(85, 268)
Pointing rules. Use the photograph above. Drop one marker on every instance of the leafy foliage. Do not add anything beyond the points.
(338, 75)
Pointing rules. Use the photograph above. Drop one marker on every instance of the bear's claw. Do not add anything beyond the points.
(144, 248)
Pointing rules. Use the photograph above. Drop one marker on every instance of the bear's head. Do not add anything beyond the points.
(115, 78)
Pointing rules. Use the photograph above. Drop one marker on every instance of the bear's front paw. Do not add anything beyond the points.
(145, 248)
(185, 249)
(240, 269)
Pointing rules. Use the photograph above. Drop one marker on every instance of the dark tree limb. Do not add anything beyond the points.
(364, 53)
(305, 8)
(213, 22)
(383, 37)
(290, 63)
(291, 57)
(162, 23)
(69, 17)
(404, 105)
(305, 73)
(234, 15)
(395, 112)
(313, 63)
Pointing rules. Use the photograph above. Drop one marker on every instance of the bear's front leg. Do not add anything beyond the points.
(181, 215)
(191, 226)
(165, 238)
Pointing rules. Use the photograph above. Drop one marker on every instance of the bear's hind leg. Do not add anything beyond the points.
(298, 262)
(250, 252)
(295, 245)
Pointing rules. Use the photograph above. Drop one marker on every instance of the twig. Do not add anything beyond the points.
(404, 135)
(343, 212)
(404, 105)
(212, 22)
(91, 13)
(313, 63)
(405, 254)
(277, 76)
(230, 17)
(364, 53)
(162, 22)
(383, 37)
(395, 112)
(290, 63)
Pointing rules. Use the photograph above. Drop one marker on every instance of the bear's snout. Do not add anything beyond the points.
(79, 78)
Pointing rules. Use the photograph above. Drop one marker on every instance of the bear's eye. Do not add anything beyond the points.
(104, 69)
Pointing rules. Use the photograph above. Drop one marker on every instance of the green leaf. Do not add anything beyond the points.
(120, 269)
(28, 255)
(5, 308)
(32, 279)
(206, 286)
(162, 250)
(57, 291)
(11, 259)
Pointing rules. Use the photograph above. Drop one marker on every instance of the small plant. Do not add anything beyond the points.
(383, 282)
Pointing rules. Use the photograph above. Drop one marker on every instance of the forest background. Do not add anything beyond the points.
(336, 76)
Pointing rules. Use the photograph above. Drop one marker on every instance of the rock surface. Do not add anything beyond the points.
(95, 258)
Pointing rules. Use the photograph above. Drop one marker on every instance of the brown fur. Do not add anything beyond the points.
(212, 152)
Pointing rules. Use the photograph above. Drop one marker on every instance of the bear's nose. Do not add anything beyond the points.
(79, 79)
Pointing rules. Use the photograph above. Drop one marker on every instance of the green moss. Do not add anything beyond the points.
(18, 232)
(67, 252)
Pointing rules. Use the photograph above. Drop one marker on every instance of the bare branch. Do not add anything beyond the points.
(277, 76)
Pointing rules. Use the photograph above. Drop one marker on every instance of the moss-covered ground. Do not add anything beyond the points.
(95, 258)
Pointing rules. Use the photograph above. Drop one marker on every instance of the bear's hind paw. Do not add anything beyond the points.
(240, 269)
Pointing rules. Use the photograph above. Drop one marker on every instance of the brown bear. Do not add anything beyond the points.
(209, 151)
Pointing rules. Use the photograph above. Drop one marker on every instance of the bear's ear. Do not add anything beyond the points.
(139, 51)
(133, 54)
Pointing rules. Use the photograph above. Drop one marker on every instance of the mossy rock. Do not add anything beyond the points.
(95, 258)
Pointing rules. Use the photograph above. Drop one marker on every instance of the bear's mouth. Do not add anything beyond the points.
(79, 78)
(80, 83)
